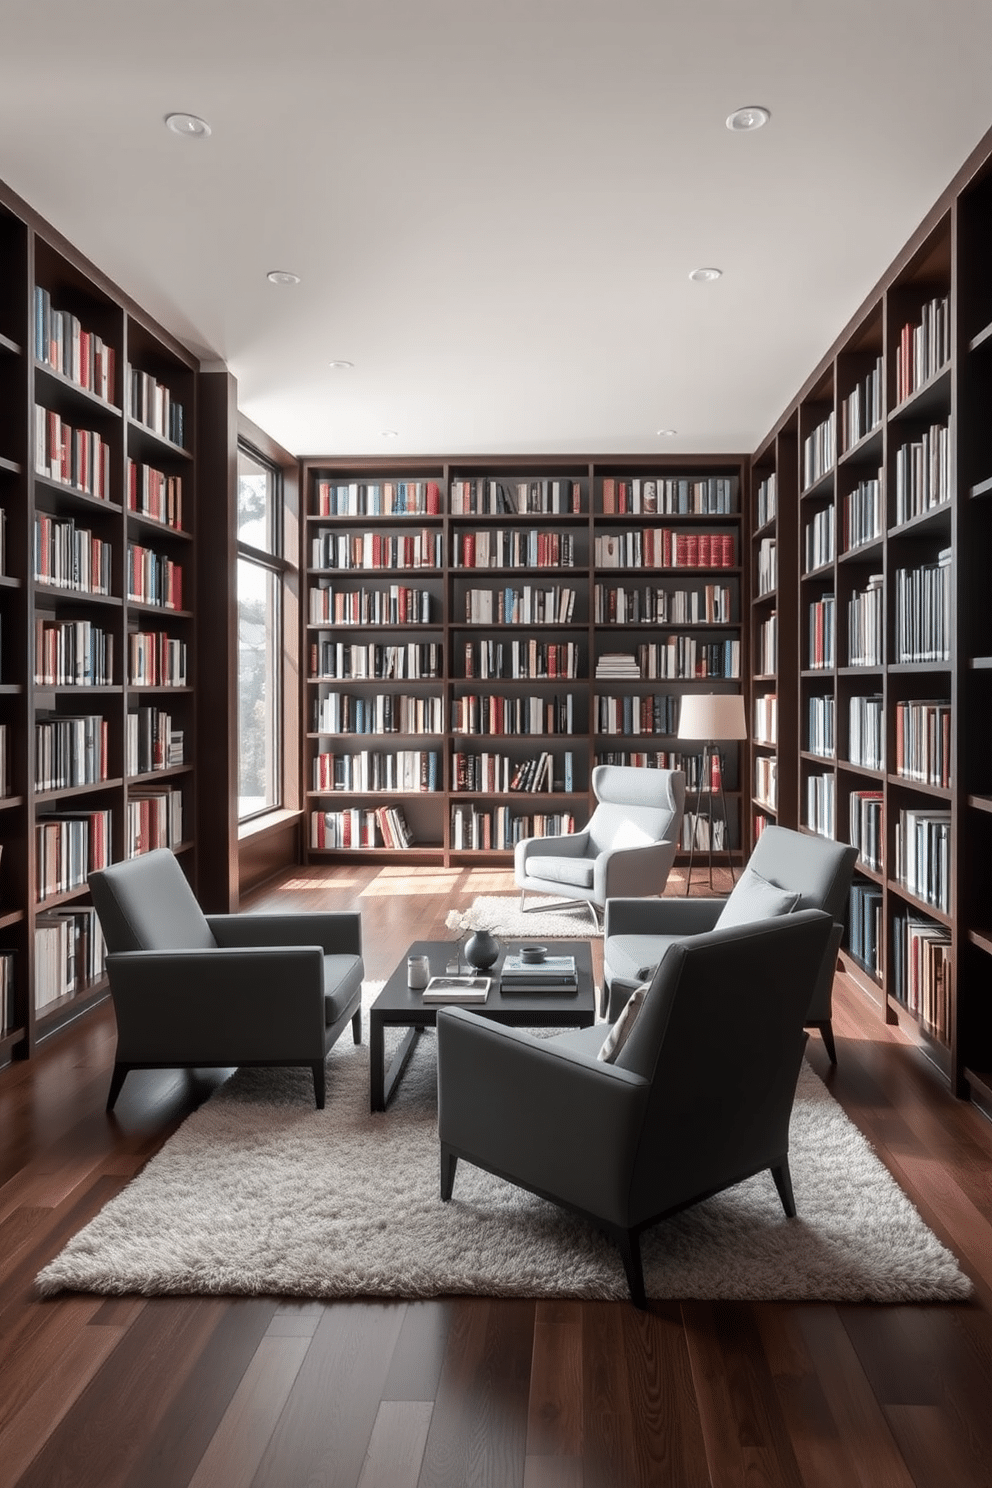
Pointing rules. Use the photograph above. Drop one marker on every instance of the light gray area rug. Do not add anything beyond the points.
(503, 916)
(260, 1193)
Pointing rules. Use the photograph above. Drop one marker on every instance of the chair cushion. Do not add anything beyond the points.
(623, 1027)
(575, 871)
(342, 979)
(754, 898)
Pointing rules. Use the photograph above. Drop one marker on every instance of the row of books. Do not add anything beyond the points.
(153, 494)
(156, 659)
(657, 713)
(865, 926)
(821, 802)
(821, 632)
(923, 971)
(866, 624)
(79, 458)
(820, 734)
(70, 751)
(766, 500)
(391, 498)
(862, 514)
(688, 657)
(355, 828)
(528, 605)
(72, 653)
(707, 495)
(862, 409)
(708, 604)
(152, 742)
(62, 343)
(498, 773)
(554, 496)
(641, 759)
(396, 605)
(371, 660)
(766, 659)
(923, 741)
(702, 832)
(153, 818)
(70, 557)
(923, 855)
(866, 732)
(69, 954)
(923, 473)
(370, 770)
(529, 660)
(492, 714)
(819, 540)
(67, 848)
(923, 611)
(509, 547)
(151, 403)
(866, 827)
(497, 828)
(665, 547)
(767, 565)
(766, 779)
(378, 713)
(765, 718)
(819, 451)
(372, 550)
(924, 347)
(153, 578)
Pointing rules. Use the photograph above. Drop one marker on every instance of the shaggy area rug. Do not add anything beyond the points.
(503, 916)
(259, 1193)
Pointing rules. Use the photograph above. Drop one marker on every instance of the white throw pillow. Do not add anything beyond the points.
(623, 1027)
(755, 898)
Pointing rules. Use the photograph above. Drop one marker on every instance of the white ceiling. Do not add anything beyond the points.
(494, 205)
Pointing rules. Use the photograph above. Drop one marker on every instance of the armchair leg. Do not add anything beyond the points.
(116, 1082)
(783, 1182)
(319, 1082)
(356, 1027)
(449, 1163)
(827, 1035)
(629, 1245)
(523, 896)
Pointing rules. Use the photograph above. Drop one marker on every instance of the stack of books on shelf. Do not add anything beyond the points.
(555, 975)
(620, 666)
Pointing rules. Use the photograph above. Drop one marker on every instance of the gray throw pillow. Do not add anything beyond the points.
(623, 1027)
(755, 898)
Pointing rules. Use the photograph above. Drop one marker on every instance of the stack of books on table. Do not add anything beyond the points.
(555, 974)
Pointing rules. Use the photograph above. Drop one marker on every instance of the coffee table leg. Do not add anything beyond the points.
(383, 1082)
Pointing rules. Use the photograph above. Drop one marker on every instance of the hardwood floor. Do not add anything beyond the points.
(170, 1392)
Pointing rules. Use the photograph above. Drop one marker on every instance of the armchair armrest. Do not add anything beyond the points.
(622, 870)
(668, 916)
(336, 932)
(555, 1120)
(564, 845)
(219, 1006)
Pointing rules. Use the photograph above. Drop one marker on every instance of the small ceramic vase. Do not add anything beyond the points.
(481, 950)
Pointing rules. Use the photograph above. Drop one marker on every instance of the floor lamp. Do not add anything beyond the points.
(709, 719)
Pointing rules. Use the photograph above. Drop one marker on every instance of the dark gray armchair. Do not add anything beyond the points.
(697, 1099)
(787, 870)
(628, 846)
(196, 991)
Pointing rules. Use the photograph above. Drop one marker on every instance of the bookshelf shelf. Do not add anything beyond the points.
(982, 339)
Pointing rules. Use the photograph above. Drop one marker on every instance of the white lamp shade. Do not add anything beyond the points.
(712, 716)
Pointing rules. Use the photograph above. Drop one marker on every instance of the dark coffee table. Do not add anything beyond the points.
(398, 1006)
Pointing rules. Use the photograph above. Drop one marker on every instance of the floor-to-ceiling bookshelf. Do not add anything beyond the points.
(97, 431)
(882, 536)
(478, 635)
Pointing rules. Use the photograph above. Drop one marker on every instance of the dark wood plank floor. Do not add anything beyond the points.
(169, 1392)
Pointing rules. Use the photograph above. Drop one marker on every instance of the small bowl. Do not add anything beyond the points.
(533, 955)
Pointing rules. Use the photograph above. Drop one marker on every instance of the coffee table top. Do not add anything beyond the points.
(398, 1003)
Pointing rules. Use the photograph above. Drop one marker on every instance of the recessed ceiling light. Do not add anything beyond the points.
(282, 276)
(390, 433)
(188, 124)
(744, 119)
(705, 276)
(667, 433)
(342, 366)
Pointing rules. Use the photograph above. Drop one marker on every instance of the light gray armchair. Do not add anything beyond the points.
(787, 870)
(697, 1099)
(628, 846)
(196, 991)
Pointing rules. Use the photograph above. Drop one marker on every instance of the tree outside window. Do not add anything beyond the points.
(259, 636)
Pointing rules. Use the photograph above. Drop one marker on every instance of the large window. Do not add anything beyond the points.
(260, 570)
